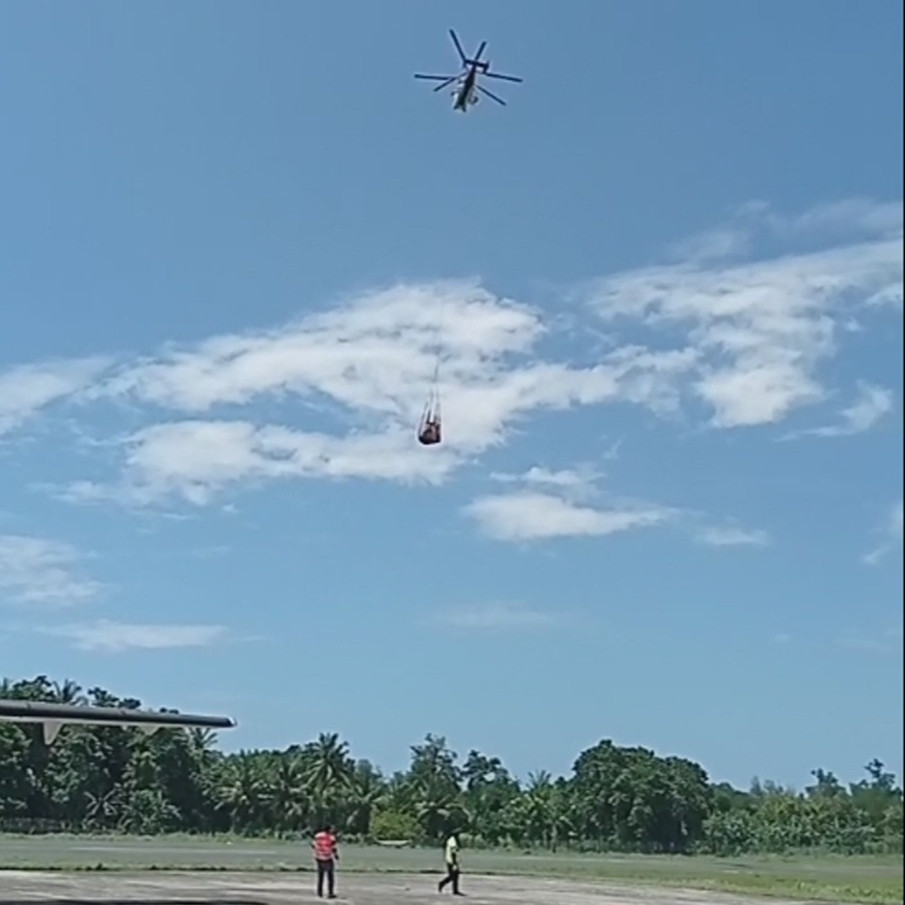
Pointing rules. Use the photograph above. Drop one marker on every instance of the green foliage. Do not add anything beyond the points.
(617, 799)
(393, 826)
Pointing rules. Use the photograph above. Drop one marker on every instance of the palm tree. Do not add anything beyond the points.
(438, 808)
(367, 791)
(203, 741)
(328, 773)
(68, 692)
(287, 798)
(244, 792)
(539, 796)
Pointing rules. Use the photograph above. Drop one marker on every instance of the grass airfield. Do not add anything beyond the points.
(96, 869)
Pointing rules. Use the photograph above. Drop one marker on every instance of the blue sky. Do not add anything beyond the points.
(665, 288)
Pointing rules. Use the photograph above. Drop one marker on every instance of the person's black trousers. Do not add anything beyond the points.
(452, 876)
(325, 869)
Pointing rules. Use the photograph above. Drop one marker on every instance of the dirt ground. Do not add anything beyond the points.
(202, 888)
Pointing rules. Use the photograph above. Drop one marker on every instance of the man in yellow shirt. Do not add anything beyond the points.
(452, 865)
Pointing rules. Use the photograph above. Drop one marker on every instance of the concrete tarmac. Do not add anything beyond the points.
(223, 888)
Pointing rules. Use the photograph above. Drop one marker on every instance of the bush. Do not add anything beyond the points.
(389, 825)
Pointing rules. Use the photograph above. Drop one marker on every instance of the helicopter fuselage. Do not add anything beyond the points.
(465, 93)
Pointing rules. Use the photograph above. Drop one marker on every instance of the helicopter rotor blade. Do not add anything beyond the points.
(491, 95)
(508, 78)
(448, 81)
(462, 56)
(477, 56)
(444, 80)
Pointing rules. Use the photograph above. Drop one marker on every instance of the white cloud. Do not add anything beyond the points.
(733, 536)
(376, 357)
(36, 570)
(565, 508)
(575, 483)
(889, 296)
(26, 389)
(872, 403)
(377, 353)
(375, 360)
(756, 331)
(844, 218)
(527, 515)
(892, 531)
(104, 635)
(496, 616)
(197, 459)
(848, 219)
(746, 341)
(711, 245)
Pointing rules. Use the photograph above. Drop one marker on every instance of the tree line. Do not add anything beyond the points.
(625, 799)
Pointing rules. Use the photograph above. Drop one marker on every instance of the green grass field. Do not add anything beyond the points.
(815, 878)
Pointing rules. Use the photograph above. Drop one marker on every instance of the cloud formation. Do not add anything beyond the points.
(40, 571)
(570, 503)
(528, 515)
(575, 482)
(891, 532)
(27, 389)
(336, 394)
(870, 406)
(369, 364)
(108, 636)
(757, 331)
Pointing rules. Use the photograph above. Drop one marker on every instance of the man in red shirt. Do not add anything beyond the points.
(325, 855)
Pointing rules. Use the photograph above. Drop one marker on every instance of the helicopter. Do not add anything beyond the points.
(467, 87)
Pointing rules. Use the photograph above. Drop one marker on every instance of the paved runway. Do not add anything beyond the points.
(223, 888)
